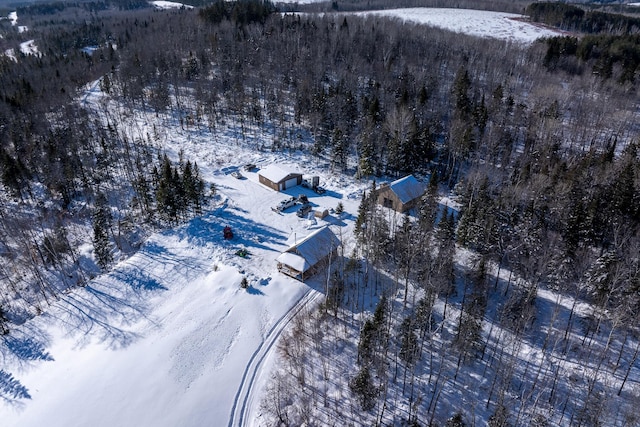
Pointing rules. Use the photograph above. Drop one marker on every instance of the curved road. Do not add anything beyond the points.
(243, 400)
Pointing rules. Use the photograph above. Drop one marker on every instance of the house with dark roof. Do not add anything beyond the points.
(304, 258)
(400, 195)
(279, 178)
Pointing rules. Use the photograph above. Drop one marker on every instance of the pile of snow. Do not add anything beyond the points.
(480, 23)
(164, 5)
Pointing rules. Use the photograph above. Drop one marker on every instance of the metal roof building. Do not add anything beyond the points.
(303, 259)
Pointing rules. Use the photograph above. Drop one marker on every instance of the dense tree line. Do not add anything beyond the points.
(607, 56)
(609, 49)
(575, 18)
(55, 8)
(241, 12)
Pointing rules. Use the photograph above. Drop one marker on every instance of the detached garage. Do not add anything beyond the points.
(279, 178)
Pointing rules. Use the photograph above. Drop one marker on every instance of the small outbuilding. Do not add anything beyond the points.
(400, 195)
(306, 257)
(279, 178)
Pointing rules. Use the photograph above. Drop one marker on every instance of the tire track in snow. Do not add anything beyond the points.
(245, 390)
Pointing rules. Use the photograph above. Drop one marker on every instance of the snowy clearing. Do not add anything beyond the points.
(480, 23)
(168, 336)
(29, 48)
(11, 53)
(299, 1)
(164, 5)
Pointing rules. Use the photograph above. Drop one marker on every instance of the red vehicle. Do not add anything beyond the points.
(228, 233)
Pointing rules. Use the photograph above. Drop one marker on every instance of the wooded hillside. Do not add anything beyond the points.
(541, 155)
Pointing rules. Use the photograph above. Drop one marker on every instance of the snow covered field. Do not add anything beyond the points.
(161, 4)
(480, 23)
(299, 1)
(168, 337)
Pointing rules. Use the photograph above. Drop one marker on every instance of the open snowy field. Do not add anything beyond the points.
(162, 4)
(299, 1)
(168, 337)
(480, 23)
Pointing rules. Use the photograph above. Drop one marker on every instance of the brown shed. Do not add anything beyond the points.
(278, 178)
(400, 195)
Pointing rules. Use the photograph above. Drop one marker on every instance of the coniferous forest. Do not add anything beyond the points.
(538, 144)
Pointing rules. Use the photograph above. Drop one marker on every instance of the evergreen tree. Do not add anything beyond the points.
(339, 149)
(409, 348)
(365, 213)
(199, 194)
(500, 418)
(4, 328)
(456, 421)
(364, 389)
(101, 225)
(461, 86)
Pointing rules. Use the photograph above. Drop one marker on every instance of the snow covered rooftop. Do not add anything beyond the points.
(276, 173)
(309, 251)
(407, 188)
(294, 261)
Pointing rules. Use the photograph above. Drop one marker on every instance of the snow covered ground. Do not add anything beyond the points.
(29, 48)
(481, 23)
(161, 4)
(162, 340)
(13, 17)
(299, 1)
(11, 54)
(168, 337)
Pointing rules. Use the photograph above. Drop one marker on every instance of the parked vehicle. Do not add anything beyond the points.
(314, 184)
(237, 175)
(249, 167)
(304, 210)
(285, 204)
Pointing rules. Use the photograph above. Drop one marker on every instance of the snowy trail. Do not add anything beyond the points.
(244, 399)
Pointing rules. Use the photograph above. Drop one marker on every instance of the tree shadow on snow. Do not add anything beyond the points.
(12, 390)
(254, 291)
(248, 233)
(26, 348)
